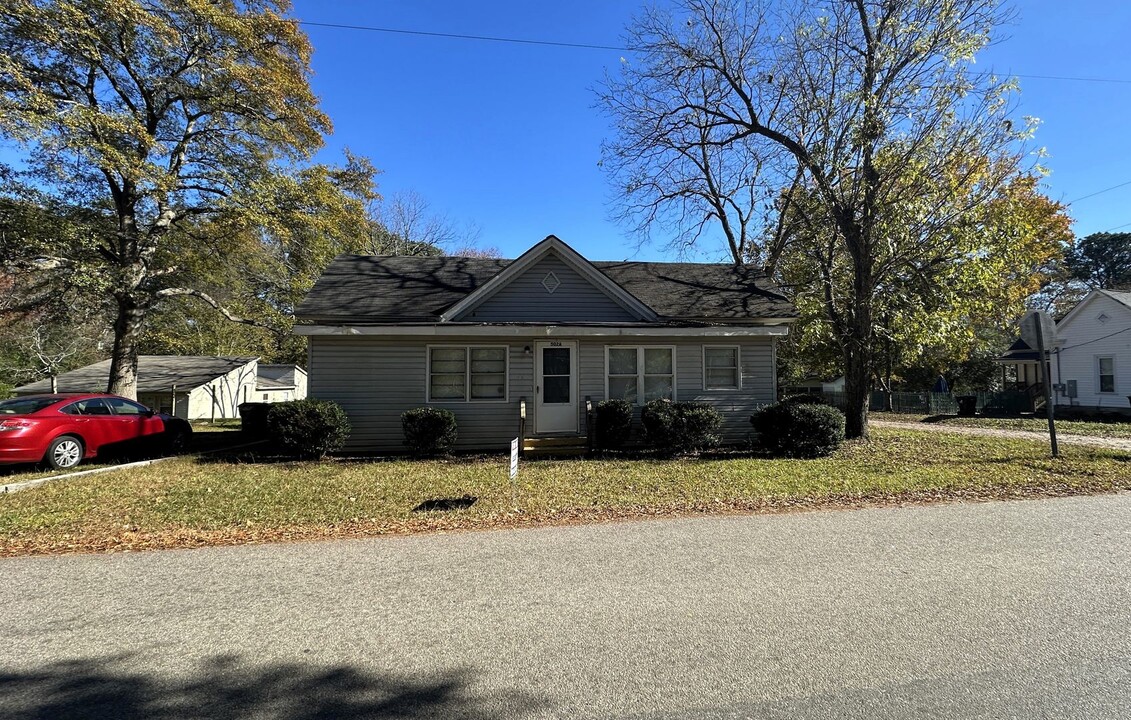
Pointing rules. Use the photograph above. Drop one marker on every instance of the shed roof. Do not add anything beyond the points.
(410, 289)
(155, 374)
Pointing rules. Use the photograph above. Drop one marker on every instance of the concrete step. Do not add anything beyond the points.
(555, 447)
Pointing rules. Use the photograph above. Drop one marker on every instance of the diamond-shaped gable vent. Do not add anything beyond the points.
(1103, 318)
(551, 282)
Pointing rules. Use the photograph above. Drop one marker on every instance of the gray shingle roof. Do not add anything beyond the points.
(407, 289)
(1120, 297)
(155, 373)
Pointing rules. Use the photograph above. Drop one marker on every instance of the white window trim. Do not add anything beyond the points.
(640, 369)
(1114, 376)
(738, 369)
(467, 375)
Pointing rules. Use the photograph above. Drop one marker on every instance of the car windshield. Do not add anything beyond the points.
(25, 406)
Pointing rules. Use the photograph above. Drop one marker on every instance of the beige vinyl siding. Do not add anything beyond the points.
(525, 299)
(375, 379)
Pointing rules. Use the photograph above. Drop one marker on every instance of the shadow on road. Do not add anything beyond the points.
(226, 687)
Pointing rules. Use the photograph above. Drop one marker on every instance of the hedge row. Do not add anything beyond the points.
(800, 428)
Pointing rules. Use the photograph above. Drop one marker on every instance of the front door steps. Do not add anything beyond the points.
(547, 447)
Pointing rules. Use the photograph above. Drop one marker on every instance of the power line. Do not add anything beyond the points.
(1105, 337)
(594, 46)
(1074, 79)
(487, 38)
(1099, 192)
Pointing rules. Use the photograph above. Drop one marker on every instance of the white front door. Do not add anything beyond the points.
(555, 391)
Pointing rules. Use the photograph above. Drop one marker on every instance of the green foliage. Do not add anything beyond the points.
(950, 299)
(428, 430)
(799, 430)
(612, 423)
(309, 428)
(184, 125)
(1102, 261)
(680, 427)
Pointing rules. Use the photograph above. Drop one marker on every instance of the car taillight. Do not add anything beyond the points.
(10, 425)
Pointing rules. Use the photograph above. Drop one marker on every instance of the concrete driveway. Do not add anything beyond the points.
(995, 610)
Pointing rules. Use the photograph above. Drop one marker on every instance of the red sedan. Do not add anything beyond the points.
(63, 430)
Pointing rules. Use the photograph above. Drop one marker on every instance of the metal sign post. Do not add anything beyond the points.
(1038, 330)
(514, 469)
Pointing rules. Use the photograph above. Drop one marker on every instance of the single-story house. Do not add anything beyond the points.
(280, 383)
(549, 330)
(193, 387)
(1090, 363)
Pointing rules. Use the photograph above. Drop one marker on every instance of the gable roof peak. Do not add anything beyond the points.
(571, 257)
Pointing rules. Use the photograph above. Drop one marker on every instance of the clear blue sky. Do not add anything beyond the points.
(506, 136)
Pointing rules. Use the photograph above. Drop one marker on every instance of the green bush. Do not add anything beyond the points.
(680, 427)
(429, 430)
(308, 428)
(612, 424)
(801, 430)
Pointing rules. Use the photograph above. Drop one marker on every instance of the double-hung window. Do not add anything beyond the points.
(1105, 370)
(721, 370)
(459, 374)
(640, 374)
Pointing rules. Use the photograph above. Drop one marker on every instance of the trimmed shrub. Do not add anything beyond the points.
(308, 428)
(800, 430)
(612, 424)
(429, 430)
(680, 427)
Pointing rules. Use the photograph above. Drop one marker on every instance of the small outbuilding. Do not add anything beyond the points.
(280, 383)
(192, 387)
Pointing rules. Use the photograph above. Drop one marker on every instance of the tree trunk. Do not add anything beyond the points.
(123, 359)
(859, 351)
(857, 386)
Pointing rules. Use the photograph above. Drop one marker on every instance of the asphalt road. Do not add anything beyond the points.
(996, 610)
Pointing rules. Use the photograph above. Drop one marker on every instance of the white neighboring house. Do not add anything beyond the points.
(193, 387)
(1092, 356)
(280, 383)
(1091, 359)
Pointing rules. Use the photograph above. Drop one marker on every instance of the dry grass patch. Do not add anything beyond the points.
(188, 503)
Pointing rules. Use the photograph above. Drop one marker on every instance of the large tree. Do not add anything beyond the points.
(1102, 260)
(941, 304)
(164, 113)
(863, 109)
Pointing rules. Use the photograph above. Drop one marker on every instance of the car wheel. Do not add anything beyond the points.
(64, 452)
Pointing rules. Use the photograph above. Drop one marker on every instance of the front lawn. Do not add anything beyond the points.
(1028, 423)
(188, 502)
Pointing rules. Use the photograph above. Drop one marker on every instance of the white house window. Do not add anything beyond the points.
(720, 368)
(1106, 370)
(462, 373)
(640, 374)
